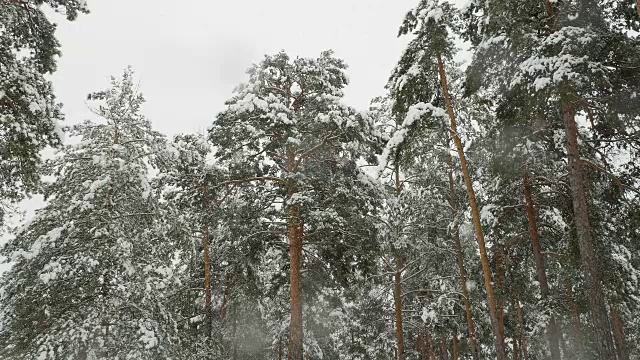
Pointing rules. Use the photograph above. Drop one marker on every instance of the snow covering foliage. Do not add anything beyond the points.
(92, 259)
(29, 115)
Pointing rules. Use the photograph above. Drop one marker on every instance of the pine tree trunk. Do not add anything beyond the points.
(499, 256)
(475, 212)
(424, 347)
(397, 297)
(428, 348)
(295, 249)
(444, 349)
(235, 332)
(601, 326)
(397, 286)
(553, 332)
(473, 344)
(455, 346)
(208, 311)
(619, 337)
(523, 338)
(295, 253)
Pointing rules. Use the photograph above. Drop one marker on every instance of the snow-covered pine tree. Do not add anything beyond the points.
(422, 72)
(573, 61)
(92, 270)
(287, 128)
(29, 115)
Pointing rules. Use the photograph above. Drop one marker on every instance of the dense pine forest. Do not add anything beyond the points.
(485, 206)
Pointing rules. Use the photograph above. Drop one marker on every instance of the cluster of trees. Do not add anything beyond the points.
(484, 210)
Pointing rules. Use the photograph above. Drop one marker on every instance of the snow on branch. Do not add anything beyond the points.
(414, 113)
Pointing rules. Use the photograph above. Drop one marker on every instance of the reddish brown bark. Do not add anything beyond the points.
(295, 254)
(455, 347)
(461, 269)
(553, 332)
(501, 353)
(619, 337)
(600, 318)
(501, 272)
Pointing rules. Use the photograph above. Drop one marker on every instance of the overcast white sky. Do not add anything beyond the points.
(189, 55)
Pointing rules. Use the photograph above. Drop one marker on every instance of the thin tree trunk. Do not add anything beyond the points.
(553, 330)
(475, 212)
(463, 272)
(523, 338)
(295, 254)
(601, 325)
(618, 332)
(295, 246)
(208, 311)
(235, 331)
(499, 256)
(397, 279)
(455, 346)
(424, 351)
(427, 341)
(397, 297)
(444, 349)
(516, 349)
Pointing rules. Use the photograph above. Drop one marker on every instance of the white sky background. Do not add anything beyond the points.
(189, 55)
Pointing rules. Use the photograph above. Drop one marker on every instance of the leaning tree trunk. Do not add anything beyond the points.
(473, 344)
(501, 353)
(601, 326)
(553, 332)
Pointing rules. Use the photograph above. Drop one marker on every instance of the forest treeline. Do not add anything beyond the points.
(478, 210)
